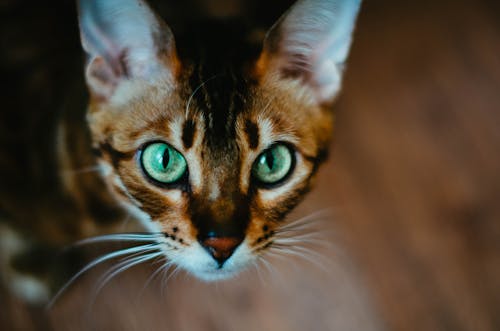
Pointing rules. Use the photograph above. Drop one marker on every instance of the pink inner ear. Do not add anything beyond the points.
(124, 40)
(311, 43)
(101, 78)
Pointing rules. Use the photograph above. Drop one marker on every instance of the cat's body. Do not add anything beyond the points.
(207, 138)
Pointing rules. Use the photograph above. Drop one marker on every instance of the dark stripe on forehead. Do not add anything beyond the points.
(219, 99)
(219, 54)
(252, 132)
(188, 132)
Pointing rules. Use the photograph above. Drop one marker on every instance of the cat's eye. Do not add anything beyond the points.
(273, 165)
(163, 163)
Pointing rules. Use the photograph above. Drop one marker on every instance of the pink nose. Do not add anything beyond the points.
(221, 248)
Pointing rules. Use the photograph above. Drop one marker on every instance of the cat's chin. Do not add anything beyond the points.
(214, 275)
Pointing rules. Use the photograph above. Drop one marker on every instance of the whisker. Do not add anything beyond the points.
(311, 240)
(128, 258)
(309, 225)
(311, 234)
(155, 247)
(257, 269)
(121, 267)
(92, 264)
(308, 255)
(166, 277)
(287, 258)
(302, 230)
(256, 265)
(266, 265)
(313, 217)
(272, 271)
(153, 275)
(138, 237)
(295, 247)
(292, 253)
(303, 238)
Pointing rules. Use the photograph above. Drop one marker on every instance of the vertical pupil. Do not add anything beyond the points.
(270, 160)
(165, 158)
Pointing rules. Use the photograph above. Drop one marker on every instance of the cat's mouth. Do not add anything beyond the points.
(201, 264)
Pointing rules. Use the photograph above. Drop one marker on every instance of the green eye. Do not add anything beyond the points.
(163, 163)
(273, 165)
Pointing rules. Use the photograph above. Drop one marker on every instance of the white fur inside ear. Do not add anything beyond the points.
(328, 79)
(124, 40)
(313, 39)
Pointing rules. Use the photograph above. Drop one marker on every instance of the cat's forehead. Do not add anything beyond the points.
(217, 86)
(235, 113)
(218, 98)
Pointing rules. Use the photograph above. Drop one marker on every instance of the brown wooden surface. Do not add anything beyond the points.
(413, 182)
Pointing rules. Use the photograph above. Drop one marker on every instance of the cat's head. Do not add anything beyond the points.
(212, 144)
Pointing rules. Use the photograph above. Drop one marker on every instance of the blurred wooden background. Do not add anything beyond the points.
(413, 181)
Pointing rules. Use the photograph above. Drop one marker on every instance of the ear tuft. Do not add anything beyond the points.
(311, 42)
(124, 40)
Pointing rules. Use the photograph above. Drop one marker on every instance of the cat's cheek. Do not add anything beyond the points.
(144, 219)
(174, 197)
(119, 190)
(257, 228)
(120, 193)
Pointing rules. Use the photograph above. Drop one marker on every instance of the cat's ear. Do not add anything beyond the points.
(124, 40)
(310, 43)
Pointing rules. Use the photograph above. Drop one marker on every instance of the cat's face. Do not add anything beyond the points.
(212, 159)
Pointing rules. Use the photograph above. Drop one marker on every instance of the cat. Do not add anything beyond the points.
(208, 138)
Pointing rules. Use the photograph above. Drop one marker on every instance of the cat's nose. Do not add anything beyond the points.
(221, 248)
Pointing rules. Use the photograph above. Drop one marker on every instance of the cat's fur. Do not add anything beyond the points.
(220, 96)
